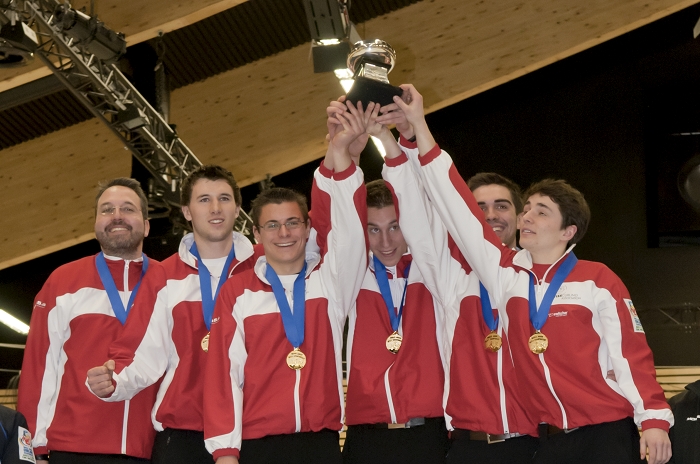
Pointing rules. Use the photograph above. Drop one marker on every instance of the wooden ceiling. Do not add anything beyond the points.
(268, 117)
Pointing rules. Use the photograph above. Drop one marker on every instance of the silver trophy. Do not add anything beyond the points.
(371, 61)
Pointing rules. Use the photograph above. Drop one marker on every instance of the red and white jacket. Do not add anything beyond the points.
(72, 327)
(592, 325)
(384, 387)
(168, 337)
(393, 388)
(251, 392)
(481, 390)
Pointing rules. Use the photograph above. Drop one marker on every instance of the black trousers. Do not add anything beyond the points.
(517, 450)
(425, 444)
(609, 443)
(64, 457)
(295, 448)
(173, 446)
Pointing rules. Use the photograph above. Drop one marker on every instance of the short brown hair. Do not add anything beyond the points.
(127, 182)
(378, 194)
(573, 207)
(277, 196)
(492, 178)
(209, 172)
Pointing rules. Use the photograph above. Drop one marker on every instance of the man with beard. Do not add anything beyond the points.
(176, 337)
(80, 310)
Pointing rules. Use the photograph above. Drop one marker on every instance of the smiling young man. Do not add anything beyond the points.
(394, 368)
(395, 375)
(568, 322)
(171, 338)
(274, 368)
(79, 312)
(500, 200)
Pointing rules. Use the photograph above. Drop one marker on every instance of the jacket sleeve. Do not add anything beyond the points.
(344, 265)
(38, 384)
(465, 223)
(630, 355)
(141, 351)
(320, 213)
(421, 226)
(224, 376)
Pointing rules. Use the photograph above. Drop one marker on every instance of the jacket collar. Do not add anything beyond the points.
(241, 245)
(312, 261)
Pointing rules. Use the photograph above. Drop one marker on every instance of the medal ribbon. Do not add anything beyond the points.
(205, 283)
(487, 309)
(111, 288)
(383, 282)
(539, 317)
(293, 321)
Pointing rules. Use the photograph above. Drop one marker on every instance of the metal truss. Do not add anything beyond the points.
(109, 95)
(683, 316)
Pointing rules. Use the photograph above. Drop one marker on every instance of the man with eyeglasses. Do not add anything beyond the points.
(176, 336)
(274, 368)
(80, 310)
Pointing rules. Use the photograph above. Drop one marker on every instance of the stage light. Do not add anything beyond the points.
(131, 118)
(17, 41)
(329, 25)
(90, 33)
(13, 323)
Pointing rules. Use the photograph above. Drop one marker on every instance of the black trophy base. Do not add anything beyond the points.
(368, 90)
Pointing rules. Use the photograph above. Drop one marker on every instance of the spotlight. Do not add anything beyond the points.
(17, 41)
(329, 25)
(131, 118)
(92, 34)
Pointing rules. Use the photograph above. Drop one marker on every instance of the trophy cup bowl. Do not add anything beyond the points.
(370, 62)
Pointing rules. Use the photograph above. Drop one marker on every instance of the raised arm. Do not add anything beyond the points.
(323, 178)
(454, 202)
(422, 228)
(344, 265)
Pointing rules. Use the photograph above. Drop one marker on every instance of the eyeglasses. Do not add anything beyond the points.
(273, 226)
(123, 210)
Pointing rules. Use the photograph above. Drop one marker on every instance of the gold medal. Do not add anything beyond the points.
(205, 343)
(538, 342)
(493, 342)
(393, 342)
(296, 359)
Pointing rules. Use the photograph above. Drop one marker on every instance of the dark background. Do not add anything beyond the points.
(603, 120)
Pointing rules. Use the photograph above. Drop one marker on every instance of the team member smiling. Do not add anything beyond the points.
(565, 365)
(171, 338)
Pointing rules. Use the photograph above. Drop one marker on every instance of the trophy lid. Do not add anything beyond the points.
(373, 51)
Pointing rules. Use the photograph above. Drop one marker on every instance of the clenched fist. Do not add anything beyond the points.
(99, 379)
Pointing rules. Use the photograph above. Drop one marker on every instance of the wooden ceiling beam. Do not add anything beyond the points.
(138, 21)
(268, 117)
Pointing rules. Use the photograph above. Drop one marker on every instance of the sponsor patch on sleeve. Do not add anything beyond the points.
(24, 439)
(636, 323)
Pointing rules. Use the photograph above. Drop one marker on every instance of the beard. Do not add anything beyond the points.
(122, 245)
